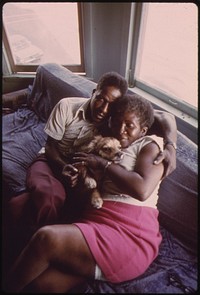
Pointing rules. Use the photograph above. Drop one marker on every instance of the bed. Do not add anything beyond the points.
(175, 268)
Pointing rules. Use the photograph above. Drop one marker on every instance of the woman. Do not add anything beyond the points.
(117, 242)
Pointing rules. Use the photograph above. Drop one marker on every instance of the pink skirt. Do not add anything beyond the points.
(124, 239)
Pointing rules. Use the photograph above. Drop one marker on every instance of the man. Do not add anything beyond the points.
(73, 122)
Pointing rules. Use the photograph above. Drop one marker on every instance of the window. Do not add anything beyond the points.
(36, 33)
(167, 54)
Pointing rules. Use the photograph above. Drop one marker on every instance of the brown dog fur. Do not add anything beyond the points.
(108, 148)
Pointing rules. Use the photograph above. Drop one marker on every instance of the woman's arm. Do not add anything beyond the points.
(139, 183)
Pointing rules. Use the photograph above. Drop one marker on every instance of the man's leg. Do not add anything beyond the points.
(47, 193)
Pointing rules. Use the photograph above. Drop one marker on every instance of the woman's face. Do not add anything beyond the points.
(126, 128)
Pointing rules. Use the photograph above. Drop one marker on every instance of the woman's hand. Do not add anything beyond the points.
(168, 156)
(90, 160)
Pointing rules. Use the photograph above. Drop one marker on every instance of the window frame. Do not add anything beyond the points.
(32, 68)
(132, 76)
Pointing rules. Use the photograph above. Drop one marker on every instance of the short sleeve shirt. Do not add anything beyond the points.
(68, 125)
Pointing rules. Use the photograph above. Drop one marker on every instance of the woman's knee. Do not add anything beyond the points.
(44, 239)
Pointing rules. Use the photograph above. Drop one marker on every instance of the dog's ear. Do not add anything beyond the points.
(97, 138)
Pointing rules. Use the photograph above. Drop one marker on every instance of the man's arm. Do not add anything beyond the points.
(60, 164)
(165, 126)
(53, 155)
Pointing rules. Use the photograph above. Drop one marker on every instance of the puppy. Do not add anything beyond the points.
(108, 148)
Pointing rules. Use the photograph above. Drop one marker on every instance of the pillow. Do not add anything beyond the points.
(22, 138)
(53, 82)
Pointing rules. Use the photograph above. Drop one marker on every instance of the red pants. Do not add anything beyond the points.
(45, 195)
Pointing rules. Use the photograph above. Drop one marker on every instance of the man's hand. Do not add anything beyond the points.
(71, 175)
(168, 156)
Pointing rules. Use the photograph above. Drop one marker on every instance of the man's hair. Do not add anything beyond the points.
(142, 108)
(113, 79)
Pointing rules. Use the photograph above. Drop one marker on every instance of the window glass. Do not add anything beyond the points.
(168, 50)
(43, 32)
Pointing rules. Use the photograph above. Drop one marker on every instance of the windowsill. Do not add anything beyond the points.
(188, 119)
(32, 75)
(20, 75)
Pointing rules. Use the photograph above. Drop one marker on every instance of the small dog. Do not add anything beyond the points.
(108, 148)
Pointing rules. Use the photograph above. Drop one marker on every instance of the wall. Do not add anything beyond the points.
(13, 83)
(106, 37)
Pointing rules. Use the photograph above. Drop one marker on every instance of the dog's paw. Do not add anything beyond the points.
(97, 202)
(90, 183)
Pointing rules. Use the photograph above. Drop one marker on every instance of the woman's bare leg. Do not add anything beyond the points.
(56, 247)
(54, 281)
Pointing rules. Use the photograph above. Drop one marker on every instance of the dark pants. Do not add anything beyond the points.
(47, 199)
(45, 196)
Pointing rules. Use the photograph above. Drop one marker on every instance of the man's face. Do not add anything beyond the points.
(101, 101)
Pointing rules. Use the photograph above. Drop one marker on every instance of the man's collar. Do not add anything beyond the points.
(83, 109)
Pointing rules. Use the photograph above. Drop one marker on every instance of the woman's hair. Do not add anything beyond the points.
(113, 79)
(134, 103)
